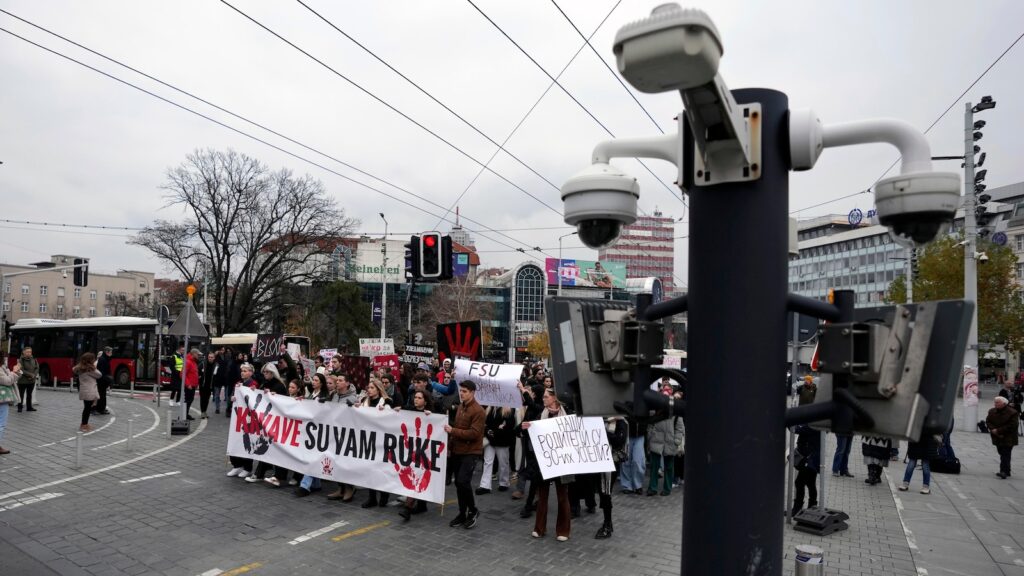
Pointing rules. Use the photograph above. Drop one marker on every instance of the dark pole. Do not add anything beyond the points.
(735, 438)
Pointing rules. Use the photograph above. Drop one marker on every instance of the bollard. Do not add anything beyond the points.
(78, 449)
(156, 394)
(168, 431)
(129, 443)
(131, 388)
(810, 561)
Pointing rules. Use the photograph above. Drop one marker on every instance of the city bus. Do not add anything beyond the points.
(57, 344)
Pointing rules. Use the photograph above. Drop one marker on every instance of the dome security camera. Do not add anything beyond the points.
(917, 207)
(599, 200)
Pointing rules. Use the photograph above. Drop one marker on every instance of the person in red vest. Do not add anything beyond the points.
(191, 376)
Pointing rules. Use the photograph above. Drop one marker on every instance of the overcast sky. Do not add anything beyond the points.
(80, 148)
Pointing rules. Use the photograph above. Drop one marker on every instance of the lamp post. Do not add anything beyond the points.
(559, 267)
(384, 281)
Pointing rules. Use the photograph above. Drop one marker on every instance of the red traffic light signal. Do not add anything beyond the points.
(430, 240)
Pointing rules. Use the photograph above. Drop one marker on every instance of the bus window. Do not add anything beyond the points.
(63, 343)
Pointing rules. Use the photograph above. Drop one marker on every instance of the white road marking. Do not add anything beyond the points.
(9, 469)
(202, 426)
(213, 572)
(148, 430)
(165, 474)
(320, 532)
(922, 572)
(977, 513)
(899, 511)
(112, 420)
(12, 504)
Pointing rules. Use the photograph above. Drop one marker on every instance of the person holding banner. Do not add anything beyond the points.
(242, 467)
(419, 402)
(466, 441)
(376, 397)
(552, 409)
(499, 433)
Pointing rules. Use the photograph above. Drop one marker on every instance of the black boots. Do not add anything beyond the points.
(605, 531)
(874, 474)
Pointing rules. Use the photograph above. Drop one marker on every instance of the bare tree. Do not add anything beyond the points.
(457, 300)
(252, 233)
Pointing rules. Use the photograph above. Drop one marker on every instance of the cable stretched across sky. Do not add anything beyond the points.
(240, 117)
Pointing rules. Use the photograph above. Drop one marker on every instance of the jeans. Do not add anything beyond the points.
(841, 461)
(216, 396)
(4, 410)
(503, 471)
(656, 460)
(633, 468)
(25, 390)
(310, 482)
(925, 466)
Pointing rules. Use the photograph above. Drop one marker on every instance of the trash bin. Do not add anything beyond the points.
(810, 561)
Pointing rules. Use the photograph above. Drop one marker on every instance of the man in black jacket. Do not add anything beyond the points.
(105, 380)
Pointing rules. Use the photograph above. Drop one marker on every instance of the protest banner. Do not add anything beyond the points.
(571, 445)
(371, 347)
(267, 347)
(398, 452)
(459, 340)
(308, 366)
(327, 354)
(417, 354)
(496, 384)
(389, 363)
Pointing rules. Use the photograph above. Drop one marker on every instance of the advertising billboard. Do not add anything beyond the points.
(586, 273)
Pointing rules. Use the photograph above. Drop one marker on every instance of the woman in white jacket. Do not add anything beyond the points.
(8, 395)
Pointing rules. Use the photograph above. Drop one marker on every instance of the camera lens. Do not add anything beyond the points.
(599, 233)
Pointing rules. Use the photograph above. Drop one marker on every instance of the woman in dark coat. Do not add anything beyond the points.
(877, 452)
(1002, 424)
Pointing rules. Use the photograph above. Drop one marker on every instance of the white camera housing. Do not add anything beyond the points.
(918, 206)
(599, 201)
(673, 49)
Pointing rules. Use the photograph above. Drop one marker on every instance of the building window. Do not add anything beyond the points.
(106, 310)
(7, 288)
(92, 309)
(42, 308)
(1018, 241)
(76, 311)
(78, 293)
(1020, 271)
(7, 306)
(108, 296)
(24, 289)
(60, 292)
(43, 290)
(60, 309)
(24, 306)
(92, 296)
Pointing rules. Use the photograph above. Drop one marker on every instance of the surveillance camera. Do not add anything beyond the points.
(599, 200)
(673, 49)
(981, 257)
(64, 273)
(917, 206)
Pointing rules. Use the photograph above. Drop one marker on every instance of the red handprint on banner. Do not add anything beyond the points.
(417, 477)
(463, 343)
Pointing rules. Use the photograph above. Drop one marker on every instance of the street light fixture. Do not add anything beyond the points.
(384, 280)
(558, 269)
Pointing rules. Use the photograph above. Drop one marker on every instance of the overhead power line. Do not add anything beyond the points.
(387, 105)
(395, 186)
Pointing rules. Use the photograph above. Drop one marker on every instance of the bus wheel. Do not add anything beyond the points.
(44, 375)
(122, 379)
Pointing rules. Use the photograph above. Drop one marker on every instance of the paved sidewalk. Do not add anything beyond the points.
(165, 507)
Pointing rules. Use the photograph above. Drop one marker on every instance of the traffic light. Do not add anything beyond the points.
(447, 265)
(81, 272)
(430, 256)
(412, 258)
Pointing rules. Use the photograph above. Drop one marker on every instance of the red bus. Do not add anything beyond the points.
(57, 344)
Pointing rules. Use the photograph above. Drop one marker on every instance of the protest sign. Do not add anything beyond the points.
(294, 350)
(398, 452)
(417, 354)
(388, 363)
(327, 354)
(356, 368)
(496, 384)
(267, 347)
(371, 347)
(459, 340)
(571, 445)
(309, 367)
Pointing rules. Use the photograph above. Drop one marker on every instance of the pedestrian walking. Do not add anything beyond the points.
(664, 436)
(88, 389)
(8, 394)
(106, 380)
(27, 379)
(877, 452)
(563, 522)
(923, 450)
(841, 460)
(1002, 422)
(807, 461)
(499, 434)
(466, 438)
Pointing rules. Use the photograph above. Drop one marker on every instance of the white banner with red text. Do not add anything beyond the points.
(571, 445)
(397, 452)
